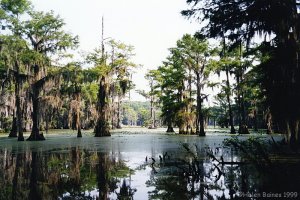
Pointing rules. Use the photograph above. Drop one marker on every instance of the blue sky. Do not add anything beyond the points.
(151, 26)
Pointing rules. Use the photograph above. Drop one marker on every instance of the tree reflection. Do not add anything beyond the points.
(76, 173)
(197, 177)
(34, 192)
(17, 191)
(62, 174)
(185, 181)
(217, 174)
(103, 175)
(126, 192)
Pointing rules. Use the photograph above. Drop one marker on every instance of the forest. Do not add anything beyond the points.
(226, 97)
(254, 58)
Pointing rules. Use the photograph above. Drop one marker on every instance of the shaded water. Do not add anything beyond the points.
(135, 167)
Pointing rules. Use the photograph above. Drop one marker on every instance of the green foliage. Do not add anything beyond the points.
(121, 171)
(15, 7)
(6, 123)
(46, 34)
(240, 22)
(73, 78)
(89, 92)
(185, 68)
(137, 112)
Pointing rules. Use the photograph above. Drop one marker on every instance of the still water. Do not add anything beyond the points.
(136, 167)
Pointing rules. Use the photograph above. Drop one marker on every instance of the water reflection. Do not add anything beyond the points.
(184, 173)
(214, 173)
(63, 174)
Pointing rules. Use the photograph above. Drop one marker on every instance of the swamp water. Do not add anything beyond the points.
(142, 166)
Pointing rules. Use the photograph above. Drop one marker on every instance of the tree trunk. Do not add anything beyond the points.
(202, 132)
(35, 115)
(113, 113)
(14, 129)
(78, 121)
(17, 122)
(151, 113)
(255, 119)
(181, 129)
(269, 122)
(181, 123)
(154, 119)
(190, 104)
(243, 129)
(47, 120)
(35, 133)
(232, 129)
(19, 116)
(170, 127)
(102, 127)
(119, 112)
(199, 118)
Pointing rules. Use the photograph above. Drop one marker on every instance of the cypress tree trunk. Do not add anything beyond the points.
(243, 129)
(78, 121)
(202, 132)
(17, 127)
(170, 127)
(119, 113)
(19, 113)
(181, 129)
(152, 126)
(35, 115)
(113, 110)
(154, 119)
(47, 120)
(190, 124)
(152, 111)
(269, 123)
(180, 122)
(13, 131)
(214, 122)
(255, 120)
(35, 132)
(199, 118)
(102, 127)
(232, 130)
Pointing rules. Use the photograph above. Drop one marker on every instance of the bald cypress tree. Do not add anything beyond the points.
(240, 21)
(46, 36)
